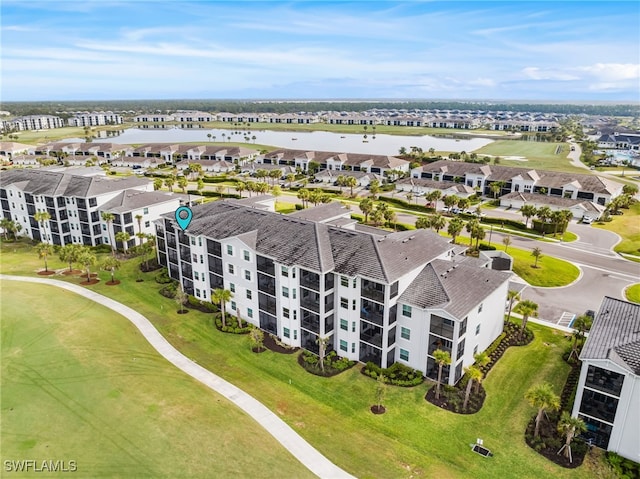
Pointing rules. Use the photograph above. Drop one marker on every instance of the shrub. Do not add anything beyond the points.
(486, 247)
(163, 277)
(102, 248)
(397, 374)
(231, 325)
(298, 206)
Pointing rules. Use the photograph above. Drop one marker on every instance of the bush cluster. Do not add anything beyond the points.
(204, 306)
(163, 277)
(397, 374)
(231, 325)
(333, 364)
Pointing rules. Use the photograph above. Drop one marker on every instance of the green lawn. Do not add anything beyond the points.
(414, 439)
(80, 383)
(627, 226)
(540, 155)
(632, 293)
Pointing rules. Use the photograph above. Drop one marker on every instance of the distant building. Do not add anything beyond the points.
(608, 393)
(33, 122)
(95, 119)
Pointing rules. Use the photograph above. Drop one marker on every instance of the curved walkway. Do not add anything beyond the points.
(296, 445)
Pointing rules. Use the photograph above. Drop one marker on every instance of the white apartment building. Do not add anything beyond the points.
(388, 297)
(95, 118)
(33, 122)
(608, 393)
(75, 204)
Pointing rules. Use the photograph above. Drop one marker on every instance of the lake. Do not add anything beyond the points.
(315, 140)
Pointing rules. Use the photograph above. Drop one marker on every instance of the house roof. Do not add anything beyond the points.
(540, 199)
(129, 200)
(441, 281)
(615, 334)
(317, 246)
(41, 182)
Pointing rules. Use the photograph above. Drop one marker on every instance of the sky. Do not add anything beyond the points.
(145, 49)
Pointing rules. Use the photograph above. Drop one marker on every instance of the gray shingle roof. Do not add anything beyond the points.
(441, 281)
(615, 334)
(316, 246)
(130, 200)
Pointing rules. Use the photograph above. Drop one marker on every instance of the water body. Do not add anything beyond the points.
(301, 140)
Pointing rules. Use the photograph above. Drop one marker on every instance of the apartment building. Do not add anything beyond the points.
(608, 392)
(33, 122)
(75, 204)
(379, 296)
(95, 118)
(525, 180)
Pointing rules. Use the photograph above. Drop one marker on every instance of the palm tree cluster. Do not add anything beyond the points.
(559, 218)
(10, 227)
(379, 213)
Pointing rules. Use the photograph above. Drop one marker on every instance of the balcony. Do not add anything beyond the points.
(310, 321)
(370, 311)
(374, 291)
(309, 280)
(267, 303)
(265, 265)
(310, 300)
(371, 334)
(266, 284)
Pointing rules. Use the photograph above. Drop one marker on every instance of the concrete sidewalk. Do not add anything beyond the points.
(296, 445)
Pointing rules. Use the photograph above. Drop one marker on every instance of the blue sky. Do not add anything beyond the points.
(543, 50)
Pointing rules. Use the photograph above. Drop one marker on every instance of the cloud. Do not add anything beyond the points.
(535, 73)
(612, 72)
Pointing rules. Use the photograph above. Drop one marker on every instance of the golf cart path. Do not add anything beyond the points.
(291, 440)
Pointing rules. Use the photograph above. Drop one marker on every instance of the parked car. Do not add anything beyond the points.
(587, 220)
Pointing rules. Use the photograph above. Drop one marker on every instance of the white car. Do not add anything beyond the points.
(587, 220)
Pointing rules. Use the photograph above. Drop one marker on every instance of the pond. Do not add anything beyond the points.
(315, 140)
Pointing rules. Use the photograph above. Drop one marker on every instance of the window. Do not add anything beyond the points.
(406, 310)
(201, 259)
(247, 275)
(196, 276)
(404, 354)
(285, 292)
(250, 312)
(199, 240)
(405, 333)
(232, 287)
(353, 327)
(104, 227)
(295, 314)
(233, 305)
(230, 250)
(194, 258)
(293, 291)
(286, 333)
(145, 211)
(285, 271)
(344, 345)
(249, 295)
(197, 293)
(295, 334)
(344, 324)
(344, 281)
(147, 224)
(344, 303)
(477, 329)
(353, 347)
(475, 350)
(353, 304)
(231, 269)
(480, 308)
(355, 282)
(286, 312)
(193, 241)
(246, 255)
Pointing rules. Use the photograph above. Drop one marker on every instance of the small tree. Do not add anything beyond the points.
(108, 218)
(44, 250)
(526, 308)
(180, 298)
(221, 296)
(322, 349)
(123, 237)
(423, 222)
(569, 427)
(381, 389)
(351, 182)
(256, 337)
(157, 184)
(69, 254)
(374, 188)
(512, 296)
(537, 254)
(438, 222)
(442, 358)
(506, 241)
(543, 398)
(87, 259)
(366, 206)
(111, 264)
(455, 228)
(581, 324)
(473, 374)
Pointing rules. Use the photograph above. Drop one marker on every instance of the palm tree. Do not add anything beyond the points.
(543, 213)
(44, 249)
(322, 349)
(108, 218)
(438, 222)
(221, 296)
(423, 222)
(111, 263)
(6, 224)
(464, 203)
(512, 296)
(351, 182)
(274, 175)
(432, 197)
(240, 187)
(139, 220)
(495, 188)
(374, 188)
(580, 325)
(256, 336)
(473, 374)
(442, 358)
(528, 211)
(526, 308)
(537, 254)
(476, 231)
(366, 206)
(303, 195)
(450, 200)
(87, 259)
(276, 191)
(69, 254)
(123, 237)
(455, 228)
(157, 184)
(377, 215)
(290, 178)
(169, 182)
(41, 217)
(180, 298)
(569, 427)
(543, 398)
(183, 183)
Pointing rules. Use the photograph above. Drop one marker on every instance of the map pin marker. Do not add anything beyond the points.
(183, 217)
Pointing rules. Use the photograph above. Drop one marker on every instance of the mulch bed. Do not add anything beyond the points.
(452, 399)
(183, 311)
(271, 345)
(378, 409)
(46, 273)
(549, 443)
(258, 350)
(113, 283)
(89, 283)
(152, 266)
(66, 272)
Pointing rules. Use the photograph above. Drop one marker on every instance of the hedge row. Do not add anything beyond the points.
(213, 194)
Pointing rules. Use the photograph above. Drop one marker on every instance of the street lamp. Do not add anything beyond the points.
(490, 233)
